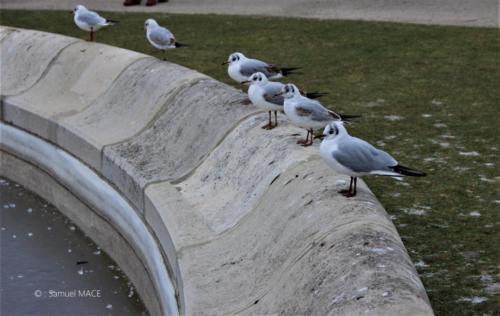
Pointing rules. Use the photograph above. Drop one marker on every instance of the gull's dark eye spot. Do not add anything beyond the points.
(332, 131)
(254, 79)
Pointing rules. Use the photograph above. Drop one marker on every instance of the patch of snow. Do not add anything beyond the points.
(473, 299)
(493, 289)
(436, 102)
(418, 210)
(440, 125)
(475, 214)
(29, 210)
(461, 169)
(425, 115)
(393, 118)
(484, 179)
(421, 264)
(486, 278)
(109, 306)
(469, 153)
(447, 136)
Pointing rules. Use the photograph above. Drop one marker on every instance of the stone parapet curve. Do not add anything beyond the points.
(225, 217)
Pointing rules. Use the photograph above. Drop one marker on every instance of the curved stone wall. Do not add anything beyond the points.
(244, 220)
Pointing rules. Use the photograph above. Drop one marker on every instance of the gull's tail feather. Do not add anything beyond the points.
(111, 22)
(315, 95)
(289, 71)
(347, 118)
(408, 171)
(177, 44)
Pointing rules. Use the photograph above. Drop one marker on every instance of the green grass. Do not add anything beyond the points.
(451, 74)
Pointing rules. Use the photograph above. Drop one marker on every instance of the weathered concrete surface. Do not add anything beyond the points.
(196, 119)
(267, 222)
(25, 56)
(451, 12)
(136, 97)
(76, 77)
(93, 224)
(247, 221)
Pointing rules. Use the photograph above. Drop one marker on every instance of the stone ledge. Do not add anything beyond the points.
(247, 222)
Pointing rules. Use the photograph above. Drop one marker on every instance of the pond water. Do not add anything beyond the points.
(50, 267)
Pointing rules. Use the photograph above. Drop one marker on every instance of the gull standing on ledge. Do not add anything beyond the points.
(264, 94)
(354, 157)
(307, 113)
(89, 20)
(160, 37)
(241, 68)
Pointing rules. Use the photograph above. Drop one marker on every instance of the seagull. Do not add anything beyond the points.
(89, 20)
(307, 113)
(263, 93)
(355, 157)
(160, 37)
(241, 68)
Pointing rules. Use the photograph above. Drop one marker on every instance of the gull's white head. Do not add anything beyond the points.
(258, 78)
(290, 90)
(333, 129)
(235, 58)
(79, 8)
(150, 23)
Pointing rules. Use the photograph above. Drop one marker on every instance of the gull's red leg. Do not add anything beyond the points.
(269, 125)
(303, 142)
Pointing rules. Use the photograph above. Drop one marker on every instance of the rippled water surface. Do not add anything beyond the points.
(50, 267)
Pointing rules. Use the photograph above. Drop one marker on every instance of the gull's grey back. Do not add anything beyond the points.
(313, 109)
(360, 156)
(161, 36)
(90, 18)
(272, 89)
(251, 66)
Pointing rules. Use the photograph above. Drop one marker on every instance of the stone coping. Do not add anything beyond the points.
(245, 220)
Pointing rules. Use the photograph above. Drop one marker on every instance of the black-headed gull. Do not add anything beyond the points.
(160, 37)
(90, 21)
(241, 68)
(355, 157)
(264, 94)
(307, 113)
